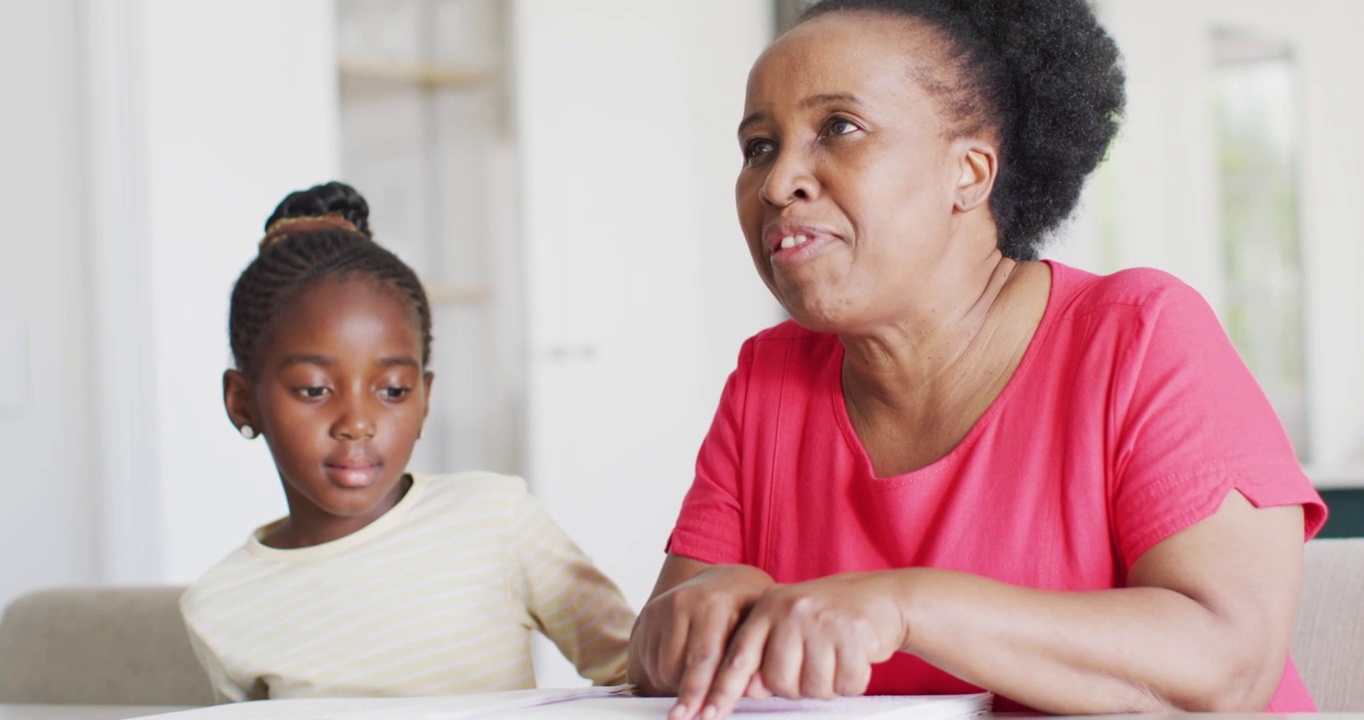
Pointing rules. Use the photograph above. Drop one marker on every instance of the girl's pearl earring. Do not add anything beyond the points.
(248, 432)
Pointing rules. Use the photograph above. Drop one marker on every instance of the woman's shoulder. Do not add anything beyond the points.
(1129, 293)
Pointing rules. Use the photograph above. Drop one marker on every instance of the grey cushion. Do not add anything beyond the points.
(107, 646)
(1328, 639)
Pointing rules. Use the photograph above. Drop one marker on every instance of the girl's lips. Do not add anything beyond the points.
(353, 476)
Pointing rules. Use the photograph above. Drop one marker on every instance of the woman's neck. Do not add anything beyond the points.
(914, 392)
(932, 344)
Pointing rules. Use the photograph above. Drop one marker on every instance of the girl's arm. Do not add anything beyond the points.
(576, 606)
(1203, 625)
(225, 688)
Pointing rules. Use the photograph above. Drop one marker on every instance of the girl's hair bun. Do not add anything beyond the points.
(334, 203)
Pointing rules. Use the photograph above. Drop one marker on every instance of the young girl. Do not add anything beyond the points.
(380, 582)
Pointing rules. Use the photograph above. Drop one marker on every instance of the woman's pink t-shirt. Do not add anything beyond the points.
(1129, 419)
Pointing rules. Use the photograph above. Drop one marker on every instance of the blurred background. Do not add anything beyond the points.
(560, 173)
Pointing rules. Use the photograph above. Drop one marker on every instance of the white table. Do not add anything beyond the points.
(80, 712)
(123, 712)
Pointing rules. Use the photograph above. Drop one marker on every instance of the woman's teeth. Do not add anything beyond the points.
(791, 241)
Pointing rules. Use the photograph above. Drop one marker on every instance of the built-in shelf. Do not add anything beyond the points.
(439, 294)
(423, 75)
(424, 133)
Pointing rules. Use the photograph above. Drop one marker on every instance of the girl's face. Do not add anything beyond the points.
(851, 172)
(340, 399)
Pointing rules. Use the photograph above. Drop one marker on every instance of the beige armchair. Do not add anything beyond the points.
(105, 646)
(1328, 639)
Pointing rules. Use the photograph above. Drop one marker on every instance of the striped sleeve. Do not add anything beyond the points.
(225, 689)
(571, 601)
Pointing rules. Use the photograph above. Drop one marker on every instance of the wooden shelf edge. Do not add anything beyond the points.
(423, 75)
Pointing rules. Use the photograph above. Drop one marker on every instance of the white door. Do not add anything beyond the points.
(640, 290)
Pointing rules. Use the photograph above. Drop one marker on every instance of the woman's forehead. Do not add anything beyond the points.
(869, 55)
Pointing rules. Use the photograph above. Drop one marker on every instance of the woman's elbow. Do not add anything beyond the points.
(1238, 679)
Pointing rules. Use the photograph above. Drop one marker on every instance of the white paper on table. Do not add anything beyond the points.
(451, 707)
(880, 707)
(603, 703)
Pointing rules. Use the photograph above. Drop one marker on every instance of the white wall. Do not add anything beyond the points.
(640, 289)
(1333, 219)
(233, 132)
(204, 116)
(48, 521)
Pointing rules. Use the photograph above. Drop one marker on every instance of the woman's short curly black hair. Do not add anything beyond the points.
(1046, 76)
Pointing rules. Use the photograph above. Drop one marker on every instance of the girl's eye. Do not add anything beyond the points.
(756, 148)
(312, 392)
(395, 393)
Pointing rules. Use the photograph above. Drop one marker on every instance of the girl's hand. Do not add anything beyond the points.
(681, 634)
(817, 639)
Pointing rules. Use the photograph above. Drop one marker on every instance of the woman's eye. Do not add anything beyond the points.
(839, 126)
(756, 148)
(395, 393)
(312, 392)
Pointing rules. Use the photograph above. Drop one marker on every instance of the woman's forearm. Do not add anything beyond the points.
(1135, 649)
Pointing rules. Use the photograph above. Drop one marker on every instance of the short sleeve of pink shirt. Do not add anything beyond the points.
(1129, 419)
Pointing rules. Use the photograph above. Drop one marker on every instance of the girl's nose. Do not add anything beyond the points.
(355, 423)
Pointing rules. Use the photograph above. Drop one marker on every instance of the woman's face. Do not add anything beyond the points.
(850, 175)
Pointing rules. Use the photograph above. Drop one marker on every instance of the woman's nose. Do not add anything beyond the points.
(789, 179)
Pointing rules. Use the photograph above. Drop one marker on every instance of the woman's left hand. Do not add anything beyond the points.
(817, 639)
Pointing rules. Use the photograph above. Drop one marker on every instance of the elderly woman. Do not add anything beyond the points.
(957, 467)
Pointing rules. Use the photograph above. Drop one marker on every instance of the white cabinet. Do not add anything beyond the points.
(426, 136)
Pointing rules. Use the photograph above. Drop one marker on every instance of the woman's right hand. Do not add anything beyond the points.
(682, 633)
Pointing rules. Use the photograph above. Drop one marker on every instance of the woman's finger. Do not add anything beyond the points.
(735, 678)
(669, 659)
(705, 648)
(852, 672)
(782, 660)
(817, 672)
(757, 690)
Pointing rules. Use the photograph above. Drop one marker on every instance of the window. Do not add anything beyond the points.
(1255, 120)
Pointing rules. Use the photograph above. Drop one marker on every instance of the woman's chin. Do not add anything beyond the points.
(820, 317)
